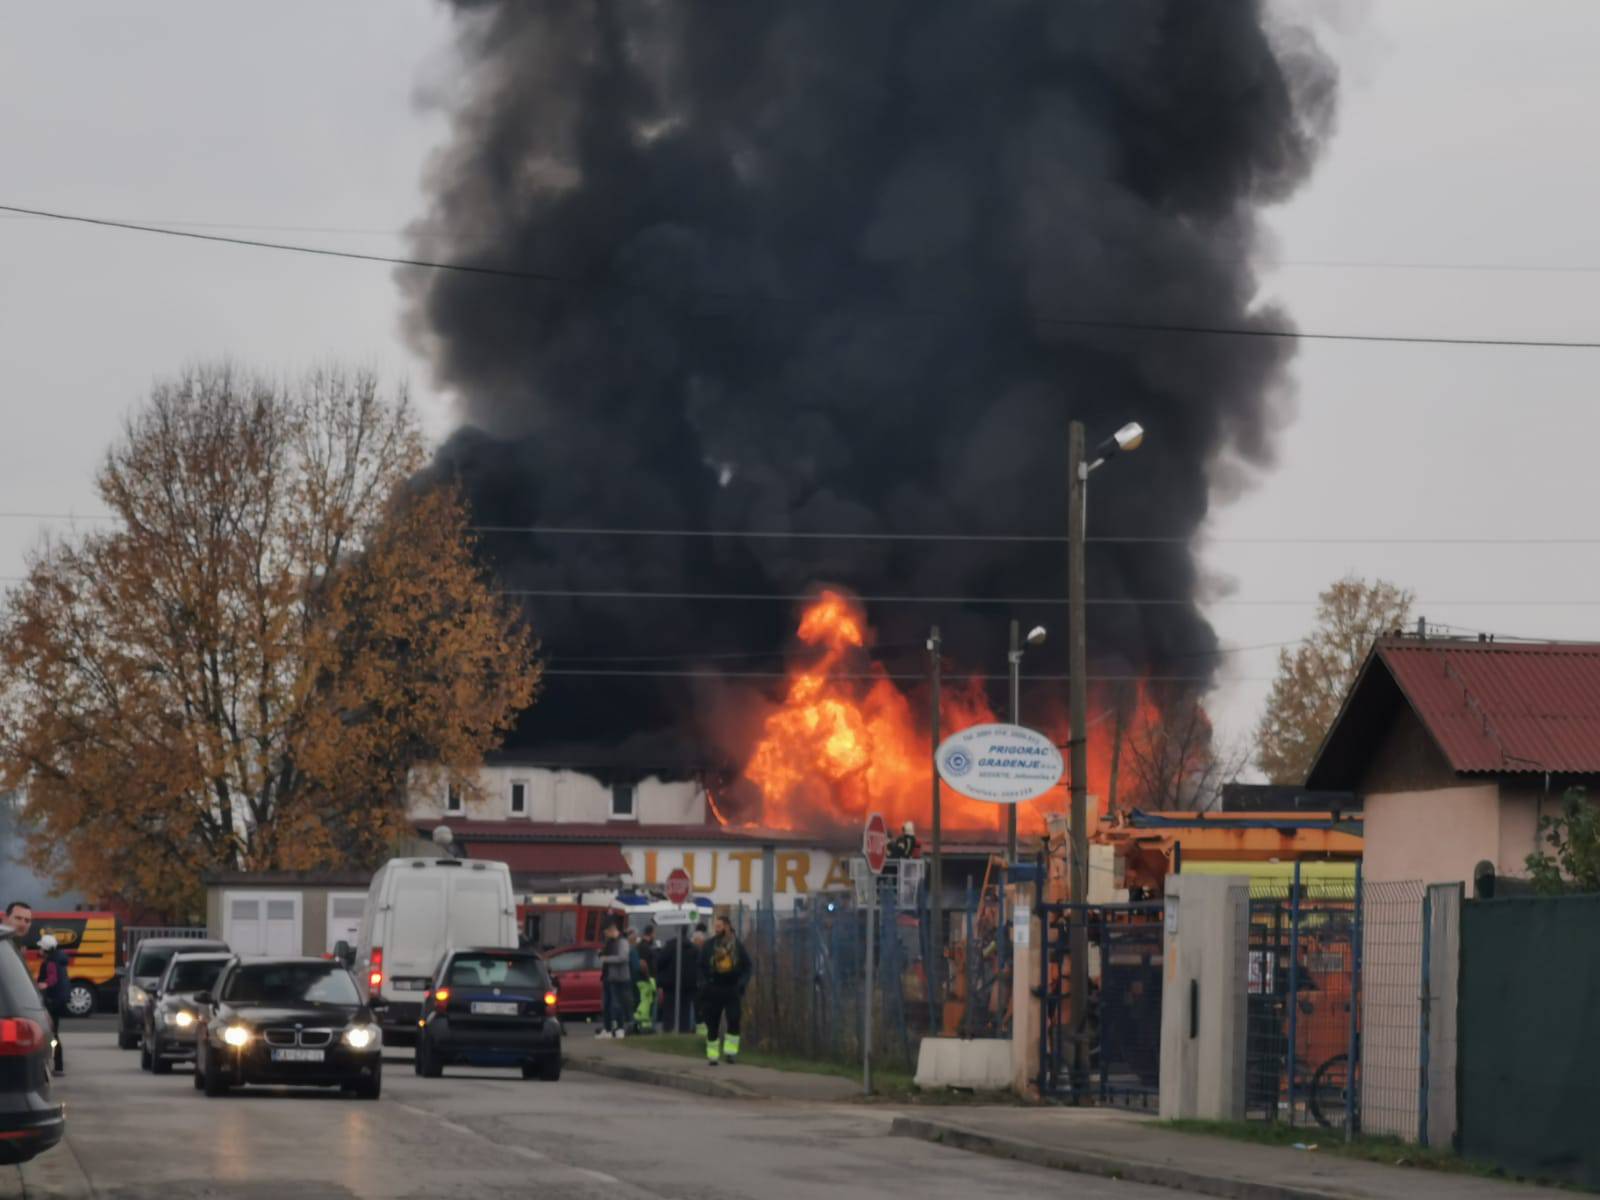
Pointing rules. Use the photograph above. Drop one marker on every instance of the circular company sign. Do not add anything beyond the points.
(678, 886)
(1003, 764)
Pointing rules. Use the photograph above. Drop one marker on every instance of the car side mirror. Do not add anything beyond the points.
(345, 953)
(203, 999)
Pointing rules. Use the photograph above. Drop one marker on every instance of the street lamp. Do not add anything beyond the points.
(1125, 440)
(1036, 637)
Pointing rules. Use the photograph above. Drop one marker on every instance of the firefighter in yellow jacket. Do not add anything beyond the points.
(725, 969)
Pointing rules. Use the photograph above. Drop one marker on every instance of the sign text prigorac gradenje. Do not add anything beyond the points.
(1003, 764)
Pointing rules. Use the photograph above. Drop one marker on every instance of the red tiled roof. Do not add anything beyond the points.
(566, 860)
(1531, 707)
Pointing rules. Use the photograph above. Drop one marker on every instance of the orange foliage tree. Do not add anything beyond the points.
(280, 630)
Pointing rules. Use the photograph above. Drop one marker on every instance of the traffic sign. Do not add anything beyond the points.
(1003, 764)
(875, 842)
(679, 886)
(675, 916)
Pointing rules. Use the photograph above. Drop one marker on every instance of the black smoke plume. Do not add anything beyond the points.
(803, 259)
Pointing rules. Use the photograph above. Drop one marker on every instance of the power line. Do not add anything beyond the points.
(1100, 601)
(871, 676)
(1107, 324)
(858, 536)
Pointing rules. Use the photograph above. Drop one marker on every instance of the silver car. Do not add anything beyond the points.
(171, 1017)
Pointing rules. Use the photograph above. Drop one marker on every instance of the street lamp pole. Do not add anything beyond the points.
(1078, 700)
(936, 872)
(1079, 465)
(1016, 719)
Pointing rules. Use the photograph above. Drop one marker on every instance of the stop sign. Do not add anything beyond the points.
(875, 843)
(678, 886)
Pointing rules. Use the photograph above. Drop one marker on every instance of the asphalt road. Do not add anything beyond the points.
(485, 1134)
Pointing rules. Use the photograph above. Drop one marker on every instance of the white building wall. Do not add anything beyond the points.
(566, 797)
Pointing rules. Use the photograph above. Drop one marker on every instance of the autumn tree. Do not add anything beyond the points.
(244, 670)
(1314, 676)
(1174, 762)
(1571, 863)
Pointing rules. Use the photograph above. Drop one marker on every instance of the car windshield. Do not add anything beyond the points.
(18, 996)
(291, 983)
(193, 974)
(152, 960)
(575, 960)
(496, 970)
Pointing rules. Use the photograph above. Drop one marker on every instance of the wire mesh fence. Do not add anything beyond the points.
(1391, 1008)
(813, 977)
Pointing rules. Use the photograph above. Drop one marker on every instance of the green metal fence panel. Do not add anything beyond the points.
(1528, 1054)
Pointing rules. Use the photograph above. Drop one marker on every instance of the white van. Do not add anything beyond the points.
(417, 908)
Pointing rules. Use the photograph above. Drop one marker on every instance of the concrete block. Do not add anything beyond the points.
(981, 1063)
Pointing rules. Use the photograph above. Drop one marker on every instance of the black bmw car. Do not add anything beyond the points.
(287, 1022)
(490, 1008)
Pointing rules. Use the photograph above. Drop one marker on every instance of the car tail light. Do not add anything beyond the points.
(441, 999)
(20, 1036)
(550, 999)
(375, 970)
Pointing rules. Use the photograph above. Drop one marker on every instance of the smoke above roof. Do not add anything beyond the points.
(807, 264)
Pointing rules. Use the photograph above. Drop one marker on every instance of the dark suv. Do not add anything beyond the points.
(150, 959)
(490, 1008)
(30, 1120)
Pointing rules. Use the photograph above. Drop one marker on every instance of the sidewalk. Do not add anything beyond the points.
(1104, 1142)
(631, 1059)
(1139, 1149)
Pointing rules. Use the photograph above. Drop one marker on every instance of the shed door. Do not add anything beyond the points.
(344, 917)
(258, 924)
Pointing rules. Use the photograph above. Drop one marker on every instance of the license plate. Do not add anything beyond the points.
(410, 985)
(495, 1008)
(298, 1055)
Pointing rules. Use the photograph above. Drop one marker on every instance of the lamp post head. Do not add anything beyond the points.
(1037, 635)
(1129, 437)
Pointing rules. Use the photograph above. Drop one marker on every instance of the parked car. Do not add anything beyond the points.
(150, 959)
(576, 972)
(90, 940)
(296, 1022)
(171, 1018)
(30, 1119)
(491, 1007)
(417, 908)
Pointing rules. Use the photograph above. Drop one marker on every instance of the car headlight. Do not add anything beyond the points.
(183, 1018)
(137, 996)
(236, 1035)
(361, 1036)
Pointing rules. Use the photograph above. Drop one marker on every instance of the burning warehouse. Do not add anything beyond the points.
(806, 297)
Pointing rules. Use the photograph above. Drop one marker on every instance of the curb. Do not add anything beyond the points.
(719, 1089)
(1086, 1162)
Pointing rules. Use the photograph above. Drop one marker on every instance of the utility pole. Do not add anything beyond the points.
(1078, 700)
(936, 875)
(1016, 719)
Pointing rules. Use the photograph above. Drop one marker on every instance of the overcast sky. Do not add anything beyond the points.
(1458, 197)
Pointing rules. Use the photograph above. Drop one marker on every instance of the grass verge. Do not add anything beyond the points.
(888, 1086)
(1389, 1151)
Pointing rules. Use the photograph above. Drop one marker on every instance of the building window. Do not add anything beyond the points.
(452, 798)
(622, 802)
(519, 799)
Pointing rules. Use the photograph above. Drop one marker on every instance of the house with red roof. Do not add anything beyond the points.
(1455, 750)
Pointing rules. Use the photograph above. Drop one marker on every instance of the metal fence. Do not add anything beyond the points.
(812, 976)
(132, 935)
(1392, 1083)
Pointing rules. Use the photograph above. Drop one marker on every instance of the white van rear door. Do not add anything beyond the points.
(416, 924)
(477, 910)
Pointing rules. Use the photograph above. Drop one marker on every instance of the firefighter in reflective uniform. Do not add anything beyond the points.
(905, 846)
(725, 969)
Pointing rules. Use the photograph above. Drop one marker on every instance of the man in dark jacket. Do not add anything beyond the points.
(667, 977)
(725, 969)
(54, 988)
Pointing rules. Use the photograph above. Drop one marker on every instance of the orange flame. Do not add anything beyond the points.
(845, 741)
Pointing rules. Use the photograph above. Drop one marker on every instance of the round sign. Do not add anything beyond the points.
(875, 843)
(1003, 764)
(679, 886)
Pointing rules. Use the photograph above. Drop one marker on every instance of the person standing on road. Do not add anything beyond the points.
(725, 969)
(667, 976)
(616, 983)
(19, 916)
(54, 989)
